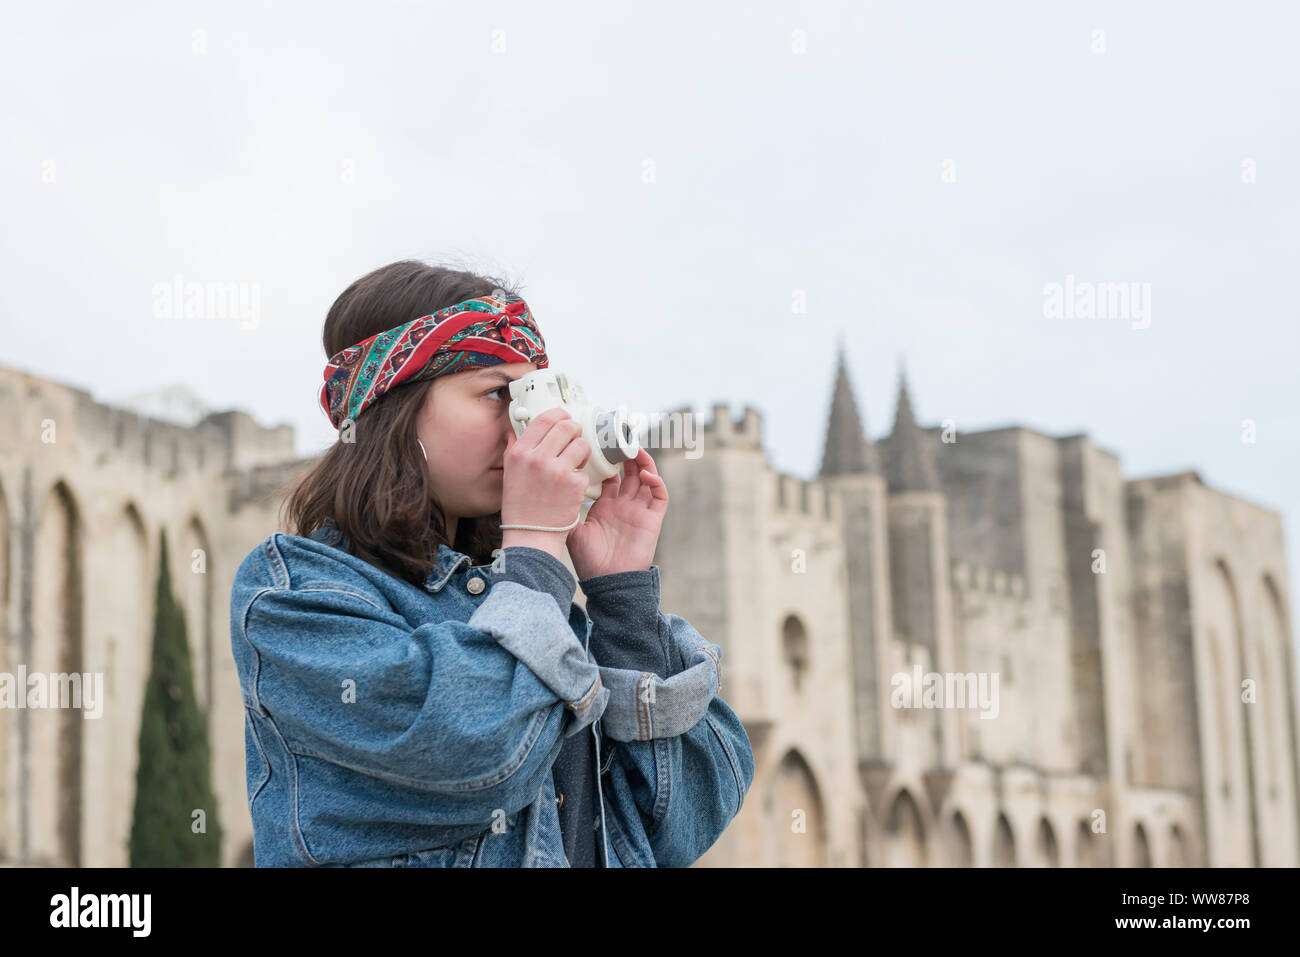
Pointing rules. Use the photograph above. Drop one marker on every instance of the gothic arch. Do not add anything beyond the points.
(1049, 854)
(1141, 847)
(905, 832)
(194, 592)
(126, 615)
(1178, 852)
(1275, 710)
(1092, 849)
(959, 848)
(1236, 814)
(1004, 843)
(55, 733)
(796, 815)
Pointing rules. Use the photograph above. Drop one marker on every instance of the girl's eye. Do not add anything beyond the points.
(495, 391)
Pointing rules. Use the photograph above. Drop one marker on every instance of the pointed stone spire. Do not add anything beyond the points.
(909, 453)
(846, 450)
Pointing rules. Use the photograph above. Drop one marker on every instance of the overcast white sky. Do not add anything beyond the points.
(295, 146)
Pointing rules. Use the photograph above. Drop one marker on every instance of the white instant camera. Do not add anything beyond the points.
(609, 433)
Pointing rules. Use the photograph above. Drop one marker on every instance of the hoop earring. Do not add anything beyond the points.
(426, 454)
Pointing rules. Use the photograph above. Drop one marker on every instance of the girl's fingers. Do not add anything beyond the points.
(652, 488)
(660, 488)
(631, 478)
(642, 462)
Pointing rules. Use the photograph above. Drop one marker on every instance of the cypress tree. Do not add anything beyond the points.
(172, 782)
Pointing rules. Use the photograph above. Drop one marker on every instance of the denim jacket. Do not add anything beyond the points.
(389, 725)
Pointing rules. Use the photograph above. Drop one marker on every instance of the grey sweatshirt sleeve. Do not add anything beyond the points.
(628, 629)
(540, 571)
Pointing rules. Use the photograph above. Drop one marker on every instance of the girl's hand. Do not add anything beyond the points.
(541, 484)
(622, 527)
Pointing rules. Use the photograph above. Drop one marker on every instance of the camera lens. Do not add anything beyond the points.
(615, 437)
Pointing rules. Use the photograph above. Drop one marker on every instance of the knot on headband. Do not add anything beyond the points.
(484, 331)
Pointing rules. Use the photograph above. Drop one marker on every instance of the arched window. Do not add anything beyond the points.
(794, 648)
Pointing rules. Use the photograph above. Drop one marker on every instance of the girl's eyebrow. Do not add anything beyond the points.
(483, 376)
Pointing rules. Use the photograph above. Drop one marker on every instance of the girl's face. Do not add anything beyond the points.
(463, 427)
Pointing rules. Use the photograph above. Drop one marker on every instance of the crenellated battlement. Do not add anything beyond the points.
(793, 496)
(725, 431)
(682, 428)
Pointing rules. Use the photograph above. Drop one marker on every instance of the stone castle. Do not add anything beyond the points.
(954, 649)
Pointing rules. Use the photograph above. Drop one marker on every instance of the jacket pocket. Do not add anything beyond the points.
(460, 854)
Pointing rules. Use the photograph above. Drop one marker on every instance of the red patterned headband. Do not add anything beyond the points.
(485, 331)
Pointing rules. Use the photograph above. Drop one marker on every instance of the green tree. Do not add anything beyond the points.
(172, 783)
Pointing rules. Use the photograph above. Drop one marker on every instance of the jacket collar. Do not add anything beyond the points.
(449, 559)
(448, 562)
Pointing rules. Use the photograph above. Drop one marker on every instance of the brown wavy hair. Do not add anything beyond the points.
(376, 489)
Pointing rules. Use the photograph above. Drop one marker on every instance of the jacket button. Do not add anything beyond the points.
(475, 586)
(559, 801)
